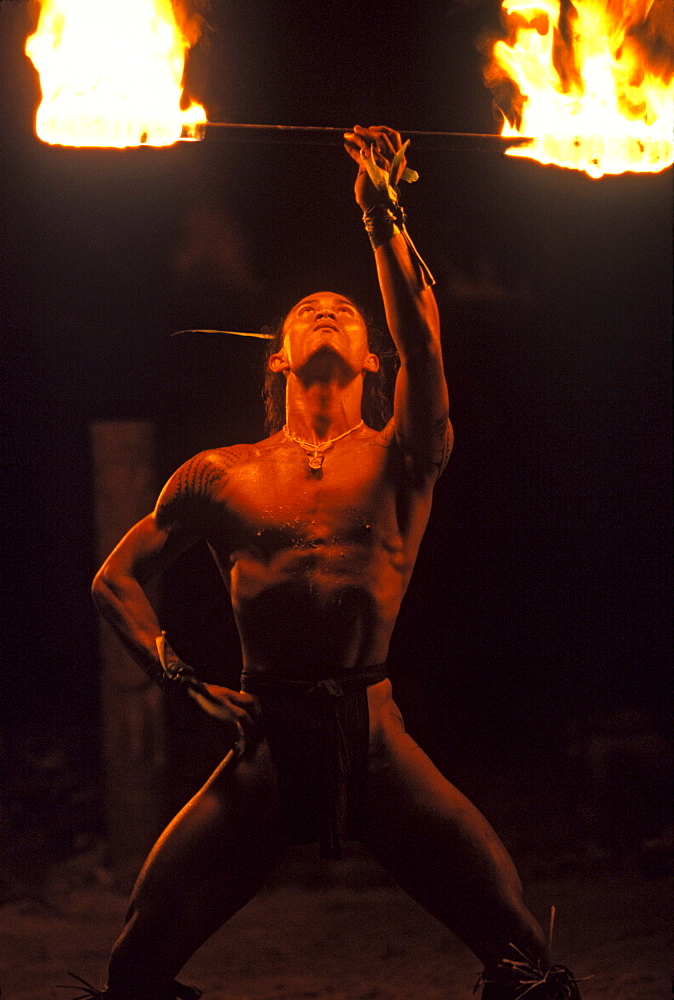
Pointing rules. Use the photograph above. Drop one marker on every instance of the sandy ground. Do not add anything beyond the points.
(341, 931)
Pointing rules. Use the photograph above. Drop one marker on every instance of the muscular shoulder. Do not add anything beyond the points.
(197, 484)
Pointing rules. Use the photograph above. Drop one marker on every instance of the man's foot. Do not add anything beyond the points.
(530, 982)
(176, 992)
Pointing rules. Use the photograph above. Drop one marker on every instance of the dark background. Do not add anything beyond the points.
(541, 595)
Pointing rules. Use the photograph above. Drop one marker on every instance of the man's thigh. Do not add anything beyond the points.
(406, 789)
(419, 824)
(231, 825)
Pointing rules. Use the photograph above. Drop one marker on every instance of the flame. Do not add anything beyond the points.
(591, 81)
(111, 72)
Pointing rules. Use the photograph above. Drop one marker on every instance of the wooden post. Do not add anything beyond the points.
(131, 708)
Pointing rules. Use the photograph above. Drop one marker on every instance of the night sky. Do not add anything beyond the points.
(542, 589)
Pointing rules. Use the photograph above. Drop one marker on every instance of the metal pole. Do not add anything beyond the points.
(328, 135)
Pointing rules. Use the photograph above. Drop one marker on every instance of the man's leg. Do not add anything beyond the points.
(440, 848)
(209, 862)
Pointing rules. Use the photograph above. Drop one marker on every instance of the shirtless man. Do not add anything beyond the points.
(315, 531)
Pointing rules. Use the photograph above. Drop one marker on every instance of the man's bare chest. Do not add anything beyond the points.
(279, 501)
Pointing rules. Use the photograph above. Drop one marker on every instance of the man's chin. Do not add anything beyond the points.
(327, 348)
(325, 361)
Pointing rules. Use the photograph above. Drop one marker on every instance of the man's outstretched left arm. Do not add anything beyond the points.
(421, 408)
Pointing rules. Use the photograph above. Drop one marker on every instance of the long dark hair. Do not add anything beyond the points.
(376, 405)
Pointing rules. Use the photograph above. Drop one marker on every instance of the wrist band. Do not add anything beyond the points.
(382, 222)
(174, 671)
(177, 674)
(386, 218)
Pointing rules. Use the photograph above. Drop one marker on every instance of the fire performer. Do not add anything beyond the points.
(315, 531)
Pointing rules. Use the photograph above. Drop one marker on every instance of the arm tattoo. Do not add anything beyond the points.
(442, 439)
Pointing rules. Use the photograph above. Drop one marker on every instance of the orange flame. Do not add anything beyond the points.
(591, 81)
(111, 73)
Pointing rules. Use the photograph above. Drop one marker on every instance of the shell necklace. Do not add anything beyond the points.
(315, 452)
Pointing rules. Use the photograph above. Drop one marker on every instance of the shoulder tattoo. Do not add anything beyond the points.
(197, 481)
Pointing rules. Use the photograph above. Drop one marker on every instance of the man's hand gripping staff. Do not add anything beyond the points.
(380, 154)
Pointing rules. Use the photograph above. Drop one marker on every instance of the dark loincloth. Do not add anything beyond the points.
(318, 733)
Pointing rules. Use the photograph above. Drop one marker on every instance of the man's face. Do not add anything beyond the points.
(326, 324)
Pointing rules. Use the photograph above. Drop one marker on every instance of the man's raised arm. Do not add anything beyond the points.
(421, 409)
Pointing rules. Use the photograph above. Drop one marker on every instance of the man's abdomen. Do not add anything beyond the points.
(291, 631)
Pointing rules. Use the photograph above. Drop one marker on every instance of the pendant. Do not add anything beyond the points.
(315, 461)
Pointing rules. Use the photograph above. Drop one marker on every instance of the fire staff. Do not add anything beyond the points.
(315, 531)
